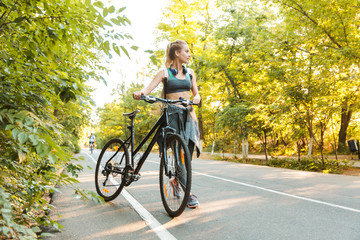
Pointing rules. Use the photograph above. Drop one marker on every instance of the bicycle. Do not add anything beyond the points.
(92, 147)
(116, 167)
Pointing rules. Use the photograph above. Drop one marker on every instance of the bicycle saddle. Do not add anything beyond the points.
(132, 114)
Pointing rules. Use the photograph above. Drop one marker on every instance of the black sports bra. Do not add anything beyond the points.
(174, 85)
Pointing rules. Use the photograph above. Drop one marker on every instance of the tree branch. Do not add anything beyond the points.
(1, 26)
(304, 13)
(2, 15)
(344, 28)
(231, 81)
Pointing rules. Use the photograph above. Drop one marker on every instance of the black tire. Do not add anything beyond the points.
(175, 185)
(113, 157)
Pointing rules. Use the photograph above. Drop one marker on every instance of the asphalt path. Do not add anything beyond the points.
(237, 201)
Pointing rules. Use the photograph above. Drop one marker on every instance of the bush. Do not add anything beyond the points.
(305, 164)
(310, 164)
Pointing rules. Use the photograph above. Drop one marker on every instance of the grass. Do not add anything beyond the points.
(305, 164)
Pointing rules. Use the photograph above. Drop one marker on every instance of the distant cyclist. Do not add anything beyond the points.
(92, 142)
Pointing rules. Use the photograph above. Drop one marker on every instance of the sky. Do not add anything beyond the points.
(144, 16)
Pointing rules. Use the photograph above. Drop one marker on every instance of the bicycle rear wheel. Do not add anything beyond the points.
(110, 169)
(175, 175)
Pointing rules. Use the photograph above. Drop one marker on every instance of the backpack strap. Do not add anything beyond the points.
(166, 76)
(188, 72)
(166, 73)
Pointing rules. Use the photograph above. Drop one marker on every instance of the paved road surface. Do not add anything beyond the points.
(237, 201)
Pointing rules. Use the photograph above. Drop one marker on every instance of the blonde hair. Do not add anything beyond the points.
(171, 49)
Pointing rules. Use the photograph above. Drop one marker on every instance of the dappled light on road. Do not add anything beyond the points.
(286, 174)
(313, 190)
(119, 230)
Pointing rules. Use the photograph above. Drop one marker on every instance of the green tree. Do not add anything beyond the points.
(48, 51)
(329, 31)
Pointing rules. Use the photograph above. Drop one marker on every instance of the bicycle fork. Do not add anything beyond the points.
(166, 132)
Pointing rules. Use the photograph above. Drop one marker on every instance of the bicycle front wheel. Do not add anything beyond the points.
(175, 175)
(110, 169)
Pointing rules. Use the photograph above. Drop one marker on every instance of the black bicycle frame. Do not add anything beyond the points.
(160, 127)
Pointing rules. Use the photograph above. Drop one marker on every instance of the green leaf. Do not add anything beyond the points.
(103, 80)
(5, 230)
(98, 4)
(115, 20)
(120, 10)
(32, 45)
(19, 19)
(36, 229)
(107, 23)
(40, 148)
(15, 133)
(105, 12)
(116, 49)
(107, 46)
(34, 139)
(125, 51)
(23, 39)
(23, 137)
(6, 210)
(45, 235)
(52, 158)
(111, 9)
(9, 127)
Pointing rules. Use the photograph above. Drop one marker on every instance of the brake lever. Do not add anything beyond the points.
(186, 103)
(151, 99)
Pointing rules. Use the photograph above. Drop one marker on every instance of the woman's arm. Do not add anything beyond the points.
(194, 88)
(153, 84)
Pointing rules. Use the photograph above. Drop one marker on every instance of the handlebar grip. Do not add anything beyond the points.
(149, 99)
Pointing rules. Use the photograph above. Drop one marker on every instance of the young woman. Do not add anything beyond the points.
(179, 82)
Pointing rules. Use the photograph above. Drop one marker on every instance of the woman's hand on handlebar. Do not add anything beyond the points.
(137, 95)
(196, 99)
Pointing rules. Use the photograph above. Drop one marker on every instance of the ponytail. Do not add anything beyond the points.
(170, 51)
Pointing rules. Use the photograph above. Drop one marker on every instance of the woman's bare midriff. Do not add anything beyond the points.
(177, 95)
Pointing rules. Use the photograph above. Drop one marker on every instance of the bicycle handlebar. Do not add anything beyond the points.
(151, 99)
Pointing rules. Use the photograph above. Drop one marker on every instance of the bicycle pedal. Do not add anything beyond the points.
(136, 177)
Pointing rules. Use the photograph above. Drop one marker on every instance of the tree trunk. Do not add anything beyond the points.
(214, 136)
(265, 145)
(311, 143)
(345, 120)
(235, 147)
(322, 143)
(244, 148)
(311, 133)
(298, 150)
(333, 133)
(213, 147)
